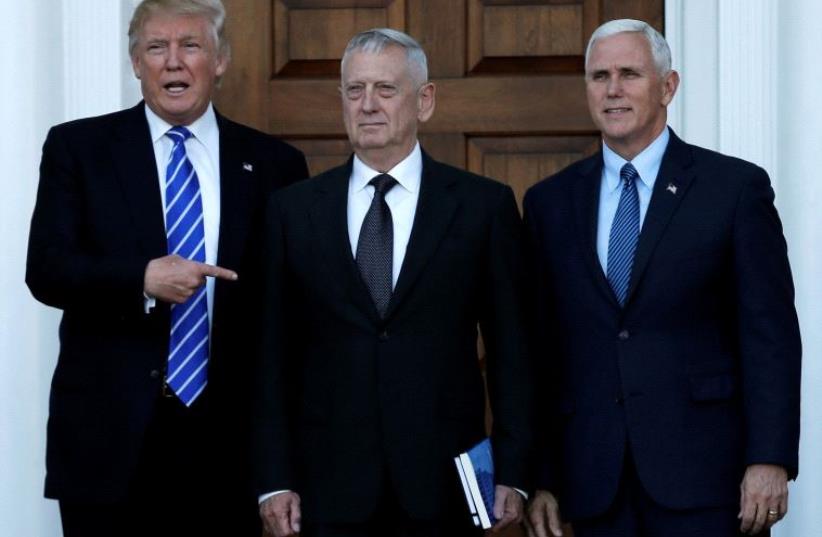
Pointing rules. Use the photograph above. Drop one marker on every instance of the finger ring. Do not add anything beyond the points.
(773, 513)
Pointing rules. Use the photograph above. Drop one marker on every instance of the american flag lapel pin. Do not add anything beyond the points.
(249, 168)
(671, 188)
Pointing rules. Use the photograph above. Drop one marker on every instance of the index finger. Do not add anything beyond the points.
(748, 516)
(217, 272)
(501, 524)
(554, 521)
(282, 524)
(295, 518)
(536, 528)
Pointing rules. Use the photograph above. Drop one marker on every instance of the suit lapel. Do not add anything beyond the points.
(136, 167)
(672, 182)
(236, 195)
(329, 221)
(435, 209)
(586, 201)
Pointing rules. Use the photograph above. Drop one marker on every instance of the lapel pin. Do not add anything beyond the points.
(249, 168)
(671, 188)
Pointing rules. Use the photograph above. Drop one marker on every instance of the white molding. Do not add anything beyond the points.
(92, 57)
(747, 85)
(799, 198)
(726, 53)
(692, 32)
(31, 100)
(674, 22)
(131, 93)
(762, 105)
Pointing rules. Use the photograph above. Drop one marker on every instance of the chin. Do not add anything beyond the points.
(616, 134)
(371, 143)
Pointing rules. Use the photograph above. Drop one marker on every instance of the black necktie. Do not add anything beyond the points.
(375, 247)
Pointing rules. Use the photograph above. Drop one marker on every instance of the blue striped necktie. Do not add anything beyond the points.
(624, 234)
(188, 345)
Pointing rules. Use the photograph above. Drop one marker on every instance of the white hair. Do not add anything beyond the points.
(375, 40)
(660, 51)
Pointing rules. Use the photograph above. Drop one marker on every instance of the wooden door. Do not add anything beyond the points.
(509, 75)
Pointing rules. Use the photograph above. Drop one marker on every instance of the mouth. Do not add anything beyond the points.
(176, 87)
(617, 110)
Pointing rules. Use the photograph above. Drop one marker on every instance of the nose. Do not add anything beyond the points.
(614, 86)
(369, 100)
(173, 58)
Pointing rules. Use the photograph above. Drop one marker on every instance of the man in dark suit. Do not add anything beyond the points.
(149, 410)
(664, 319)
(378, 273)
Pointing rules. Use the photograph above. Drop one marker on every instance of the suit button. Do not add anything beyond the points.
(383, 335)
(624, 335)
(618, 400)
(155, 374)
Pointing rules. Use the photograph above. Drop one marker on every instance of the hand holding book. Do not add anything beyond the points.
(492, 506)
(508, 507)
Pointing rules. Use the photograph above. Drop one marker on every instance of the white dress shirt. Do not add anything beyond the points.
(203, 150)
(647, 164)
(402, 200)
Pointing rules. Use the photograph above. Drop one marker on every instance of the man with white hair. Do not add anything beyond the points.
(665, 326)
(379, 272)
(149, 411)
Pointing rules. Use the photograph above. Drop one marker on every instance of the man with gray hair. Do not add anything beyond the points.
(137, 214)
(379, 272)
(666, 332)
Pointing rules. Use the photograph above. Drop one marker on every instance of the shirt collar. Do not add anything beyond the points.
(203, 128)
(647, 163)
(407, 172)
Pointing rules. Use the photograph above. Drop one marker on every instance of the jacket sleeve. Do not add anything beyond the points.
(272, 432)
(508, 367)
(539, 325)
(62, 270)
(769, 342)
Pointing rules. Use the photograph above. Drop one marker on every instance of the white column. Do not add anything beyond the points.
(755, 68)
(747, 85)
(129, 85)
(92, 57)
(726, 53)
(61, 60)
(799, 196)
(693, 36)
(31, 93)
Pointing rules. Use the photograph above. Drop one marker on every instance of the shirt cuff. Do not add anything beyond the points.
(264, 497)
(148, 303)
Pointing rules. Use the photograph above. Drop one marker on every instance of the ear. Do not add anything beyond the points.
(135, 65)
(426, 101)
(222, 64)
(670, 83)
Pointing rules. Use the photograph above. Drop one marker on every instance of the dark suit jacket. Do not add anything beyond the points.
(349, 401)
(97, 222)
(698, 376)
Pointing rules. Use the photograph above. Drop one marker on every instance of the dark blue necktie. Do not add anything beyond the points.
(375, 246)
(188, 345)
(624, 234)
